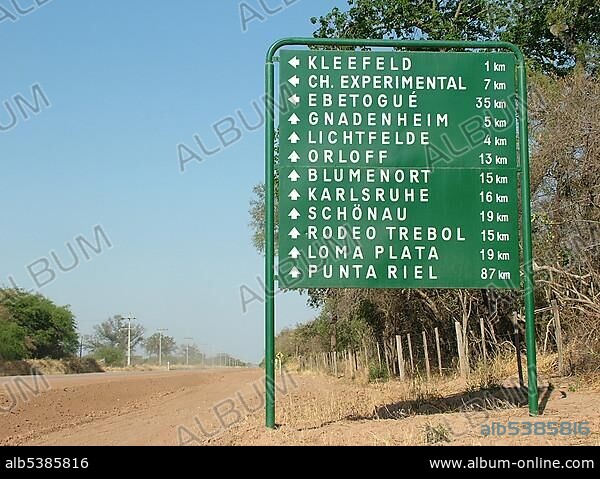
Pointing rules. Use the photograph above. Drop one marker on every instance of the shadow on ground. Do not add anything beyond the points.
(483, 400)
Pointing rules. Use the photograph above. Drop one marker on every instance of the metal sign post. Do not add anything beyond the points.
(398, 169)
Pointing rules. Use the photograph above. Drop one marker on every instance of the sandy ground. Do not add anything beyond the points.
(118, 409)
(226, 407)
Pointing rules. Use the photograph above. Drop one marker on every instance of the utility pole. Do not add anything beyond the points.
(129, 318)
(160, 336)
(187, 351)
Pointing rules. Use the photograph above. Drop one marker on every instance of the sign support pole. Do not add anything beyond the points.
(270, 245)
(270, 197)
(527, 241)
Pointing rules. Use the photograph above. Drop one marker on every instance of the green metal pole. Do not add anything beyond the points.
(270, 245)
(527, 242)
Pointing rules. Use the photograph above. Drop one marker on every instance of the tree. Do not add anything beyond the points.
(257, 208)
(12, 338)
(49, 329)
(112, 333)
(111, 356)
(191, 353)
(153, 345)
(413, 20)
(555, 35)
(257, 217)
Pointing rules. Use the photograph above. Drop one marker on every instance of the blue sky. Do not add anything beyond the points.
(127, 82)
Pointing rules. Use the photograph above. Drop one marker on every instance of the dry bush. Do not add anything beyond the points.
(566, 179)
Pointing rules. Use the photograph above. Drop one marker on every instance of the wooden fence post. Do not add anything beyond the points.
(518, 348)
(410, 352)
(461, 350)
(335, 367)
(426, 349)
(439, 349)
(387, 359)
(483, 345)
(558, 334)
(400, 357)
(393, 362)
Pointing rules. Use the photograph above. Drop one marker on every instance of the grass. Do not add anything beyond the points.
(378, 373)
(437, 434)
(328, 408)
(486, 377)
(324, 409)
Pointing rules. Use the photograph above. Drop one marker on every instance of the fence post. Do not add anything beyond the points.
(518, 348)
(410, 352)
(439, 349)
(400, 357)
(483, 345)
(426, 349)
(335, 367)
(387, 359)
(559, 341)
(461, 350)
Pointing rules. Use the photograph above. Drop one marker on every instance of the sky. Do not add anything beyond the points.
(114, 87)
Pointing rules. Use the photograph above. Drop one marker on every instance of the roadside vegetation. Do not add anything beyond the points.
(36, 334)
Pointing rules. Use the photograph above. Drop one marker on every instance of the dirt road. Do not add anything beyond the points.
(122, 409)
(226, 407)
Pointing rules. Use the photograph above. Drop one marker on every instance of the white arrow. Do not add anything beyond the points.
(294, 176)
(294, 157)
(295, 62)
(295, 81)
(294, 195)
(294, 234)
(295, 254)
(294, 100)
(294, 214)
(294, 120)
(294, 138)
(295, 273)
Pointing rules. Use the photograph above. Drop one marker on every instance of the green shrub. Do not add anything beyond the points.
(111, 356)
(12, 341)
(378, 373)
(436, 434)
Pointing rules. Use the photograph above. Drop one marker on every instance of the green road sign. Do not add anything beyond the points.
(398, 170)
